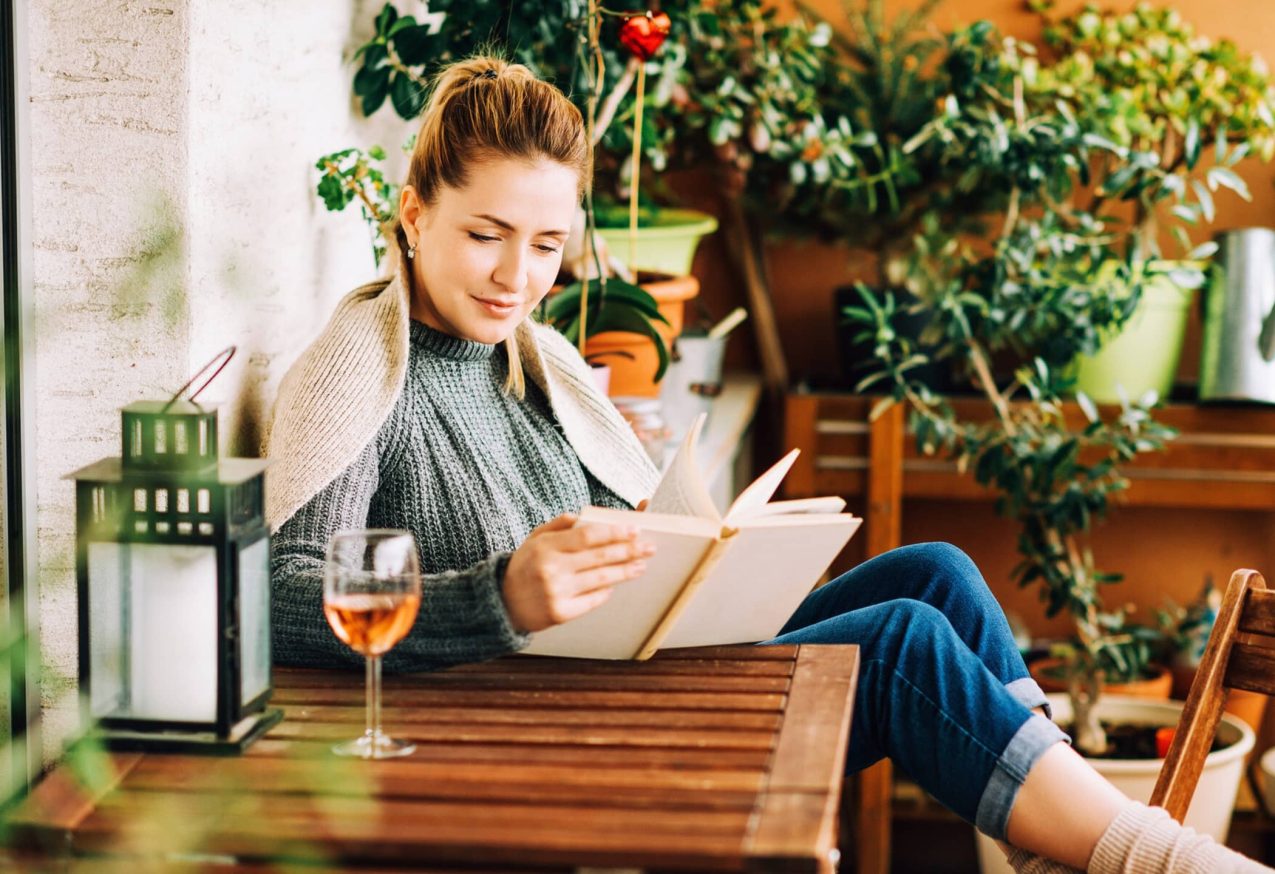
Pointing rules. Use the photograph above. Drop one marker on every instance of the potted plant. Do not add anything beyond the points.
(1191, 108)
(1048, 282)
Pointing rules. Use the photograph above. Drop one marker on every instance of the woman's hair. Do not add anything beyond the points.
(481, 109)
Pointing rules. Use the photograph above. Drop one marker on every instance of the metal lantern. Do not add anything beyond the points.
(173, 574)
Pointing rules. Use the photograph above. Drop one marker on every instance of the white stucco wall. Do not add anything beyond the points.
(173, 145)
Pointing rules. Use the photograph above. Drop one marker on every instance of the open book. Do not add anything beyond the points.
(713, 579)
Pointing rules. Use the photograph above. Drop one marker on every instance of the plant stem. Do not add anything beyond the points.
(612, 103)
(1011, 212)
(636, 167)
(397, 64)
(984, 373)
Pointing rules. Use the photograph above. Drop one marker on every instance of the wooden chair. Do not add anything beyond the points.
(1240, 655)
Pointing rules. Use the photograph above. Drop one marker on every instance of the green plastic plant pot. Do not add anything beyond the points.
(666, 240)
(1144, 356)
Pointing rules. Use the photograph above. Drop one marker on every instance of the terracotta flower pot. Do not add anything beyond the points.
(636, 376)
(1046, 673)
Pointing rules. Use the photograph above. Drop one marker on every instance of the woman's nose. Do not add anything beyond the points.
(511, 271)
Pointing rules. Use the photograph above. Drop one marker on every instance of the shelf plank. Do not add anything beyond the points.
(1222, 458)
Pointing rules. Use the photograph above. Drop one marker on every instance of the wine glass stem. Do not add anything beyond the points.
(373, 696)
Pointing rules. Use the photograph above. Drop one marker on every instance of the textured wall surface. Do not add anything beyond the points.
(173, 144)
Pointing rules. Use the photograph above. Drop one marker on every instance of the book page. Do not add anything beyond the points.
(681, 491)
(762, 489)
(830, 504)
(618, 627)
(769, 568)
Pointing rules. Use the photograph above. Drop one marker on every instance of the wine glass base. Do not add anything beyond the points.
(375, 746)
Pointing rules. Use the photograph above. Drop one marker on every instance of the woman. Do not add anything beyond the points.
(406, 414)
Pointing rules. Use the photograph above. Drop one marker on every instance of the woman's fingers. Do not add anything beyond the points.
(603, 578)
(617, 552)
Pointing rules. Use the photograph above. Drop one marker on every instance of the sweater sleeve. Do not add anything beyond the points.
(462, 616)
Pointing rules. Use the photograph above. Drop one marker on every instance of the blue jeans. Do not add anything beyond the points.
(942, 688)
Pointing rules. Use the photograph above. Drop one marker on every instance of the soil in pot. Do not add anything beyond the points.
(1129, 740)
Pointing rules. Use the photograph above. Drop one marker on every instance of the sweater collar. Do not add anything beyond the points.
(442, 345)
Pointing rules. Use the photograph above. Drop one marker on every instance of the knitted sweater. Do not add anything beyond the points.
(345, 416)
(469, 471)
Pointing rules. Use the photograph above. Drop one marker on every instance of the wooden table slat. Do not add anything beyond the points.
(632, 719)
(506, 698)
(505, 754)
(531, 735)
(566, 681)
(804, 759)
(795, 831)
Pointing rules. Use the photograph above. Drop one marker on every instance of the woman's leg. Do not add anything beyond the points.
(944, 577)
(929, 703)
(924, 699)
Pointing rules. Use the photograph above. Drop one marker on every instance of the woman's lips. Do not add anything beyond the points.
(496, 307)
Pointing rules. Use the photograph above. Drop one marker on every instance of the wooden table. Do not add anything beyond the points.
(728, 758)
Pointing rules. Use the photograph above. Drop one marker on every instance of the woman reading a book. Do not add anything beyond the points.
(432, 403)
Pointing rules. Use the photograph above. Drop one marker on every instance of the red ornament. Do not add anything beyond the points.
(644, 34)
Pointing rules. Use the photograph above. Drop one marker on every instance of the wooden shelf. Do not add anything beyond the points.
(1223, 458)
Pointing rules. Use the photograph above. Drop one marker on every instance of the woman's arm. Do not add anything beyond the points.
(462, 616)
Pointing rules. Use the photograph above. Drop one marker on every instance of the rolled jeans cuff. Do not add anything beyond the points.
(1027, 745)
(1028, 693)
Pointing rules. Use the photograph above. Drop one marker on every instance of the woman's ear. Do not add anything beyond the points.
(410, 210)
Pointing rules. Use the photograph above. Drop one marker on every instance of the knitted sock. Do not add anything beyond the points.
(1024, 862)
(1146, 839)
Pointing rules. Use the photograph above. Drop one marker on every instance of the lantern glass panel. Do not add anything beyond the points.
(254, 613)
(157, 604)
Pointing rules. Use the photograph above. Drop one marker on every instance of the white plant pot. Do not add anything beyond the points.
(1210, 811)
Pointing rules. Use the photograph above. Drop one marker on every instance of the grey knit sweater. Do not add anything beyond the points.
(470, 471)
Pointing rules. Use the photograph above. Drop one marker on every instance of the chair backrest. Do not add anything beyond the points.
(1240, 655)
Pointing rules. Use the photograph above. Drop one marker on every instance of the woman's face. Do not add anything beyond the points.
(487, 253)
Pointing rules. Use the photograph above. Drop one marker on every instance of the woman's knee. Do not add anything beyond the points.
(949, 573)
(904, 625)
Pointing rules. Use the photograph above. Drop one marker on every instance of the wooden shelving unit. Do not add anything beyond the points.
(1223, 458)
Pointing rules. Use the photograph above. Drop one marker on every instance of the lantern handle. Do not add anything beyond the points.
(223, 356)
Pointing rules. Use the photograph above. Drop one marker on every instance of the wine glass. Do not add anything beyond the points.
(371, 594)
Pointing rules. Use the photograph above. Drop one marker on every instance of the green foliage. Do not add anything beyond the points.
(614, 306)
(1050, 281)
(1182, 108)
(351, 174)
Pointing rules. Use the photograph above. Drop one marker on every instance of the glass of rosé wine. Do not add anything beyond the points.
(371, 594)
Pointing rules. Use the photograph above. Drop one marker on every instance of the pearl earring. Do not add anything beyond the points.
(411, 251)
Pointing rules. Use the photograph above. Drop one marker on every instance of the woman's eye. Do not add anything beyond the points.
(483, 239)
(548, 250)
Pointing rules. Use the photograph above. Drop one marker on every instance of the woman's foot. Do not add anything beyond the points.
(1145, 838)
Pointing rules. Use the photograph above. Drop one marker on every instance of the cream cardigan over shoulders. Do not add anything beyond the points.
(336, 396)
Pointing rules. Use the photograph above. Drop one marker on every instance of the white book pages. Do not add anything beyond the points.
(771, 565)
(618, 628)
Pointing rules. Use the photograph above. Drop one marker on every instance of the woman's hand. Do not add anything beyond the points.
(561, 572)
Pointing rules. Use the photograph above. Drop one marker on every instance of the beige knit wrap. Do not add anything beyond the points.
(337, 395)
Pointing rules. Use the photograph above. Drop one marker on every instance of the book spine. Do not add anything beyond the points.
(705, 567)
